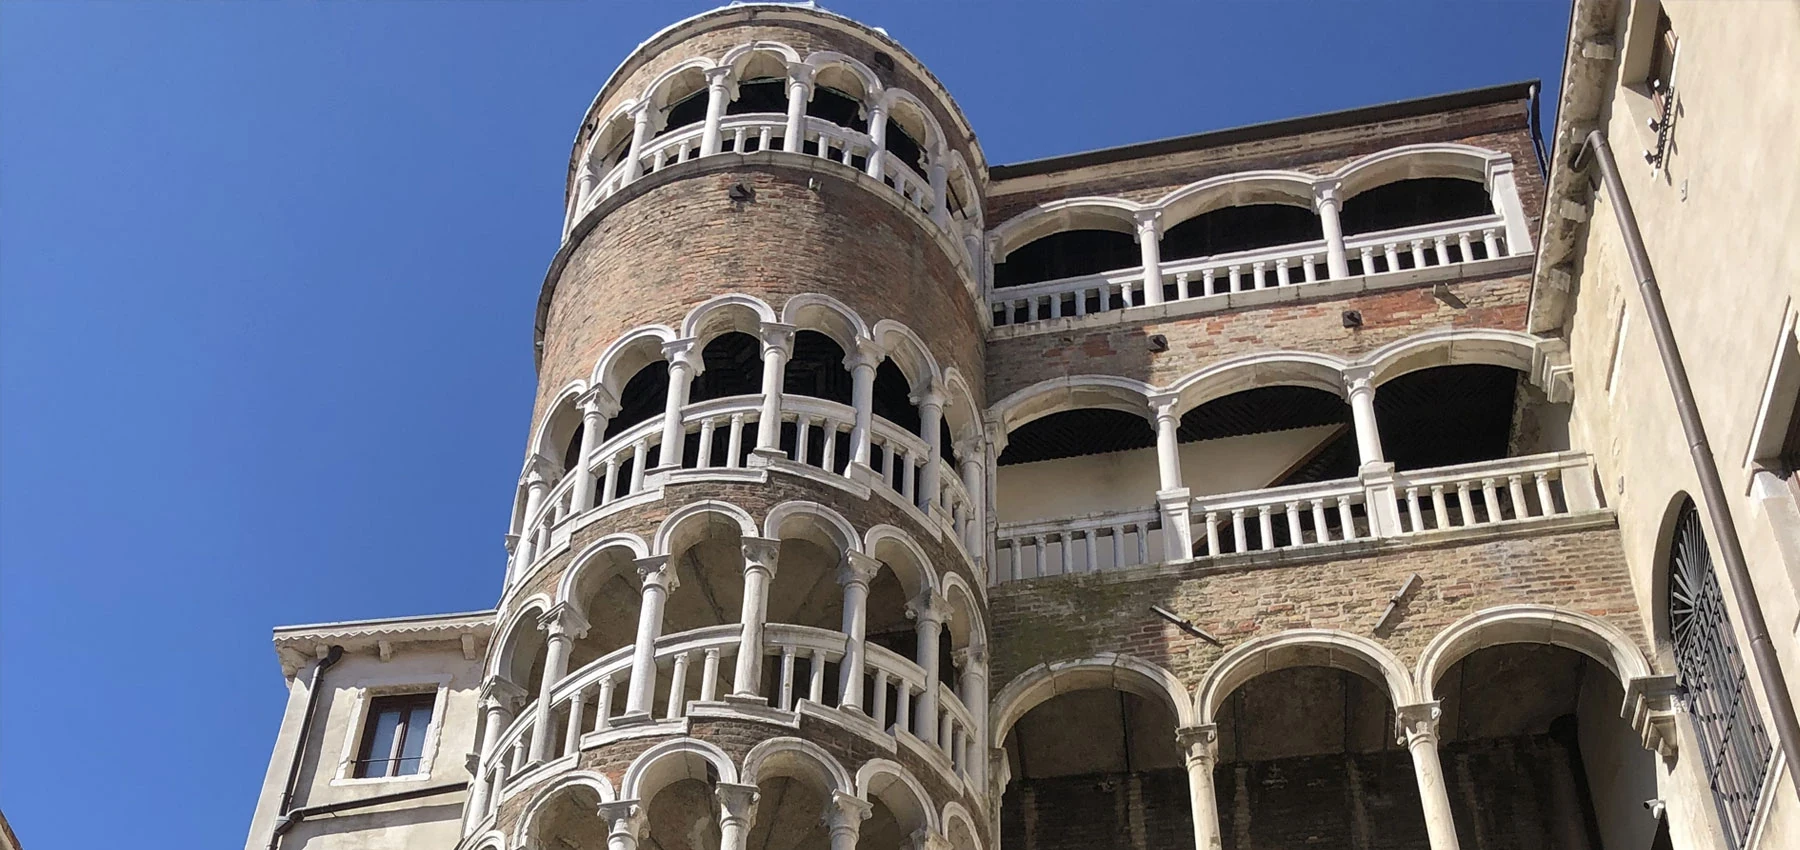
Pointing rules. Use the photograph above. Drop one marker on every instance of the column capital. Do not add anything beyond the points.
(777, 336)
(930, 606)
(968, 449)
(684, 352)
(598, 401)
(563, 620)
(1650, 706)
(656, 570)
(1148, 222)
(846, 812)
(535, 479)
(996, 436)
(737, 802)
(975, 654)
(1417, 723)
(1199, 743)
(761, 553)
(864, 353)
(720, 76)
(1327, 192)
(932, 395)
(1359, 379)
(498, 692)
(1163, 406)
(925, 839)
(640, 111)
(623, 818)
(858, 568)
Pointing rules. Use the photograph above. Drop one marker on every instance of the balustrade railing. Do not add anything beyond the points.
(1423, 246)
(1501, 491)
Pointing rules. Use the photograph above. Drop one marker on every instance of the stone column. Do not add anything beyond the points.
(843, 818)
(1360, 386)
(1504, 191)
(499, 699)
(1200, 746)
(597, 406)
(737, 811)
(1419, 731)
(855, 574)
(640, 133)
(1149, 235)
(929, 612)
(658, 580)
(759, 569)
(861, 364)
(684, 363)
(777, 346)
(535, 487)
(800, 87)
(1326, 200)
(562, 625)
(931, 418)
(972, 660)
(937, 173)
(877, 165)
(1172, 498)
(975, 538)
(624, 820)
(718, 93)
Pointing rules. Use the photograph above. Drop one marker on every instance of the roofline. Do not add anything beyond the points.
(1273, 129)
(303, 629)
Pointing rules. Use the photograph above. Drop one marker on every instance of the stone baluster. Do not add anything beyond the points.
(499, 699)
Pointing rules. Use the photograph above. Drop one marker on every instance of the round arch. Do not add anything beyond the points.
(1275, 368)
(557, 426)
(906, 109)
(895, 786)
(813, 522)
(954, 814)
(688, 523)
(587, 559)
(657, 93)
(1409, 162)
(1231, 190)
(672, 761)
(908, 351)
(790, 754)
(1074, 392)
(526, 831)
(1541, 624)
(1089, 213)
(822, 313)
(529, 612)
(960, 412)
(725, 313)
(966, 623)
(737, 56)
(1126, 673)
(902, 554)
(825, 60)
(1482, 346)
(1303, 648)
(629, 353)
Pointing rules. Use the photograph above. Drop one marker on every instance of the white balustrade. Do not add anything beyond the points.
(899, 457)
(1422, 246)
(1505, 490)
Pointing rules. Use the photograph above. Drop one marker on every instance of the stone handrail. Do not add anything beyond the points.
(1308, 513)
(1079, 544)
(1506, 490)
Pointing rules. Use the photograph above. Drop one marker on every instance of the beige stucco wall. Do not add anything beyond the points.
(1720, 224)
(325, 770)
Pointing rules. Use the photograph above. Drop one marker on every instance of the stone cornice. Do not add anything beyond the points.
(294, 645)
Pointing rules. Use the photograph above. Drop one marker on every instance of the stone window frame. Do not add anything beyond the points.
(1772, 487)
(367, 690)
(1643, 104)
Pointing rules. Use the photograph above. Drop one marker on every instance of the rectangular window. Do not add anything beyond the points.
(1661, 77)
(393, 739)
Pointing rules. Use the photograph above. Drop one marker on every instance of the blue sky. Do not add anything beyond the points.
(267, 273)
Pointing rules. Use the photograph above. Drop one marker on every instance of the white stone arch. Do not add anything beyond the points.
(966, 624)
(725, 313)
(1291, 188)
(789, 753)
(1409, 162)
(901, 105)
(1072, 392)
(960, 412)
(1107, 670)
(896, 788)
(493, 839)
(908, 351)
(1086, 213)
(1536, 624)
(525, 833)
(813, 311)
(737, 57)
(526, 616)
(556, 427)
(1267, 369)
(687, 524)
(1304, 648)
(627, 542)
(1453, 347)
(814, 523)
(637, 348)
(902, 554)
(608, 134)
(670, 762)
(824, 61)
(960, 173)
(955, 813)
(661, 91)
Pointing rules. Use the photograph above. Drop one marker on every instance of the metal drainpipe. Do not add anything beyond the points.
(282, 822)
(1712, 492)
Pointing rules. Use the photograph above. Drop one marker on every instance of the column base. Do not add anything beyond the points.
(862, 473)
(632, 718)
(764, 457)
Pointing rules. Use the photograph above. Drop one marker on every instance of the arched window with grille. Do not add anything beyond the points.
(1734, 747)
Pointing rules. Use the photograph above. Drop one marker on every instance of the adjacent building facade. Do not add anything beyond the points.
(1299, 484)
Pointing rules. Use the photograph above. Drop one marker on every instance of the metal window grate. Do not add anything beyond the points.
(1734, 747)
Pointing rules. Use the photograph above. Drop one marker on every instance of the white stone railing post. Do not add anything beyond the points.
(1200, 747)
(1503, 189)
(777, 347)
(1327, 202)
(640, 133)
(684, 364)
(1149, 236)
(658, 580)
(759, 570)
(562, 625)
(1419, 731)
(718, 94)
(929, 612)
(737, 810)
(855, 574)
(800, 89)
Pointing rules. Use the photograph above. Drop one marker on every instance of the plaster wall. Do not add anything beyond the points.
(1120, 481)
(1718, 222)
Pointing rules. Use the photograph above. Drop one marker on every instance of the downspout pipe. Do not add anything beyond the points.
(283, 820)
(1712, 491)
